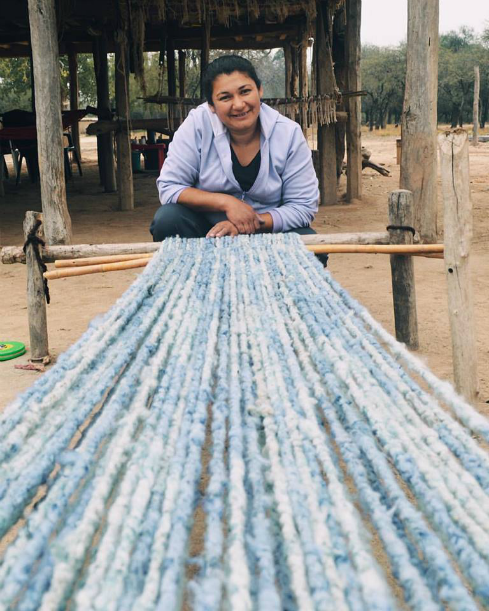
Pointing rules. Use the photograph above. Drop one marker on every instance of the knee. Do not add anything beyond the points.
(167, 222)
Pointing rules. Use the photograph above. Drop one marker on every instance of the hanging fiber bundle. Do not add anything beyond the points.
(246, 430)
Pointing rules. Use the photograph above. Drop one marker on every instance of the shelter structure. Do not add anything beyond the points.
(45, 29)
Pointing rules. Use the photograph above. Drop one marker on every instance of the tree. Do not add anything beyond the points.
(383, 77)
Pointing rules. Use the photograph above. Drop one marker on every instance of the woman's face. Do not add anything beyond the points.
(236, 101)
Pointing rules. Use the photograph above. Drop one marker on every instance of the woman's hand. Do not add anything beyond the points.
(221, 229)
(241, 215)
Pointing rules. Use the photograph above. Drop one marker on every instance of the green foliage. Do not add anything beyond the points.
(383, 77)
(15, 84)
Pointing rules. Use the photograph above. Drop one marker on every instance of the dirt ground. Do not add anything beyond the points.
(75, 301)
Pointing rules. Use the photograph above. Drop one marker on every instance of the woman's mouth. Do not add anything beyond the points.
(240, 115)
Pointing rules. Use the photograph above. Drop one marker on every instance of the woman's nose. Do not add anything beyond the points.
(238, 103)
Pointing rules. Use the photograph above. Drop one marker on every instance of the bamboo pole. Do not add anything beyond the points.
(455, 178)
(401, 214)
(95, 269)
(99, 260)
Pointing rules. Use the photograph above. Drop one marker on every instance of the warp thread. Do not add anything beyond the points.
(238, 378)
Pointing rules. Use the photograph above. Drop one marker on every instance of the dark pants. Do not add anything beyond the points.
(174, 219)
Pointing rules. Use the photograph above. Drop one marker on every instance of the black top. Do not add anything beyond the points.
(246, 174)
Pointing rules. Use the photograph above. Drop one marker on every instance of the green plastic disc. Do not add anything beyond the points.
(11, 350)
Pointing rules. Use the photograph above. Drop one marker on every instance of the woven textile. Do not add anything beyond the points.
(229, 436)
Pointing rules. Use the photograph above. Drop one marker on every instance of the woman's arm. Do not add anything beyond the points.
(300, 193)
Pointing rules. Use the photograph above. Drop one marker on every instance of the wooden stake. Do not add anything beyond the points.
(455, 178)
(36, 301)
(44, 41)
(475, 132)
(401, 214)
(419, 117)
(354, 103)
(125, 187)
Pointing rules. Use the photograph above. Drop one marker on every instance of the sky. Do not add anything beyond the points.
(384, 22)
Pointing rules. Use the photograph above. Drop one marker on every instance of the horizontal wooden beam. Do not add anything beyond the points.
(15, 254)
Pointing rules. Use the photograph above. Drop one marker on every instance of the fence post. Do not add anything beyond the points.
(401, 218)
(455, 179)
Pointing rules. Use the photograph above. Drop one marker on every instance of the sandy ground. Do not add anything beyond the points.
(75, 301)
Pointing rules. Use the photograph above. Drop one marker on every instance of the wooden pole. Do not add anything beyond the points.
(288, 68)
(14, 254)
(341, 76)
(326, 84)
(36, 301)
(303, 77)
(105, 143)
(354, 103)
(475, 133)
(294, 78)
(401, 214)
(419, 116)
(455, 179)
(44, 41)
(182, 56)
(204, 53)
(2, 175)
(125, 188)
(74, 95)
(171, 67)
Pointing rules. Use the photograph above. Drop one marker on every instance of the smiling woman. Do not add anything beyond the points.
(235, 166)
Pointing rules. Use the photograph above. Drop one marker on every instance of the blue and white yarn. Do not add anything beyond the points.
(238, 376)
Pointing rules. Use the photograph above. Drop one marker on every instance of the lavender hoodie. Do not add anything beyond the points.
(200, 156)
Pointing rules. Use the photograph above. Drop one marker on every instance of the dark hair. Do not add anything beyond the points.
(226, 64)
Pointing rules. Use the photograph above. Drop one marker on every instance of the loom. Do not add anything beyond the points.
(244, 438)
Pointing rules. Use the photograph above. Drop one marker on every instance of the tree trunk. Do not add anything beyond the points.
(182, 55)
(44, 41)
(419, 120)
(475, 137)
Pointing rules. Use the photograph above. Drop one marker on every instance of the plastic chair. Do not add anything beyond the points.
(69, 147)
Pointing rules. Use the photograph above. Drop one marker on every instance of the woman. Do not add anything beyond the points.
(235, 165)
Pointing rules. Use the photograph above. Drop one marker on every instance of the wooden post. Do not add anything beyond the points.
(36, 301)
(303, 77)
(401, 214)
(326, 84)
(341, 76)
(455, 179)
(204, 53)
(354, 104)
(288, 68)
(182, 56)
(475, 133)
(125, 188)
(419, 116)
(105, 144)
(294, 78)
(74, 95)
(2, 175)
(171, 67)
(44, 41)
